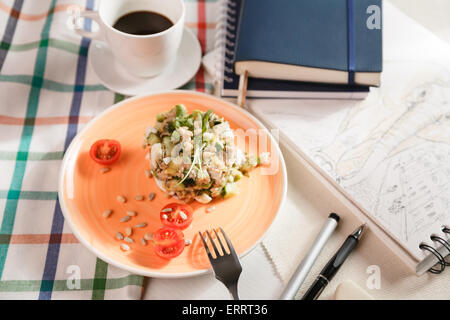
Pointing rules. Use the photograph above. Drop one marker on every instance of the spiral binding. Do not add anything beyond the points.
(224, 40)
(441, 260)
(445, 243)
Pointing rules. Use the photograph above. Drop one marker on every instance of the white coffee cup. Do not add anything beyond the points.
(141, 55)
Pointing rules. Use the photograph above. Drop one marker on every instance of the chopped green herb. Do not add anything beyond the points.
(180, 110)
(205, 122)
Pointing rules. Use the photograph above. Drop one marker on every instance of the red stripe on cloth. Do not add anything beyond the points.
(66, 8)
(33, 17)
(193, 25)
(201, 24)
(201, 35)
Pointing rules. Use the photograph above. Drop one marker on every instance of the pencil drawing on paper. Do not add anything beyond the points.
(400, 170)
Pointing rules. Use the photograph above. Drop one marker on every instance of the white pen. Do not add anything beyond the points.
(303, 269)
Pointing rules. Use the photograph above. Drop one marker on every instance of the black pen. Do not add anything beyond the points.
(333, 265)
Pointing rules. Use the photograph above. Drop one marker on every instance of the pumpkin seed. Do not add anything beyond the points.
(105, 169)
(107, 213)
(125, 219)
(119, 236)
(128, 239)
(131, 213)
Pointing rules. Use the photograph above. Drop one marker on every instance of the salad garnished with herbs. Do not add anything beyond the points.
(194, 157)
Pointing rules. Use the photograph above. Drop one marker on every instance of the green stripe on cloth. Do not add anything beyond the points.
(15, 194)
(55, 43)
(61, 285)
(64, 87)
(31, 156)
(99, 285)
(39, 82)
(9, 213)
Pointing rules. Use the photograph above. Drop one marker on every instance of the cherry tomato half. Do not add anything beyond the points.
(176, 215)
(105, 151)
(169, 242)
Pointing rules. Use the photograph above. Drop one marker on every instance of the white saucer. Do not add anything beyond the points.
(113, 76)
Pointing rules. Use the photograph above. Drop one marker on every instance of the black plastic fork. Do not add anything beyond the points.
(226, 267)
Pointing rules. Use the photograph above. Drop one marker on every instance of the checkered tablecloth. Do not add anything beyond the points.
(48, 93)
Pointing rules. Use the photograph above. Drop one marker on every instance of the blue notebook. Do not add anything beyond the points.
(267, 88)
(328, 41)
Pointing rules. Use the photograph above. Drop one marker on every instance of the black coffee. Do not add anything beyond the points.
(142, 23)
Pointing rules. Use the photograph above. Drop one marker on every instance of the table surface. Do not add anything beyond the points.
(256, 265)
(44, 105)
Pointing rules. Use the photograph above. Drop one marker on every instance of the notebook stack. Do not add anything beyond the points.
(298, 49)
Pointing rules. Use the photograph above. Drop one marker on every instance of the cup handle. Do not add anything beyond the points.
(81, 31)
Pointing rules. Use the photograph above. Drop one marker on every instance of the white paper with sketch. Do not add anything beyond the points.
(391, 152)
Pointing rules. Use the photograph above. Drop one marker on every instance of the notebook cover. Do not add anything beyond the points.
(231, 80)
(308, 33)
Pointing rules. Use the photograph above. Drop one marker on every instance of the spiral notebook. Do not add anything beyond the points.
(389, 156)
(228, 81)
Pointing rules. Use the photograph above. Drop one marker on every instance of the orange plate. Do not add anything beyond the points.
(85, 193)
